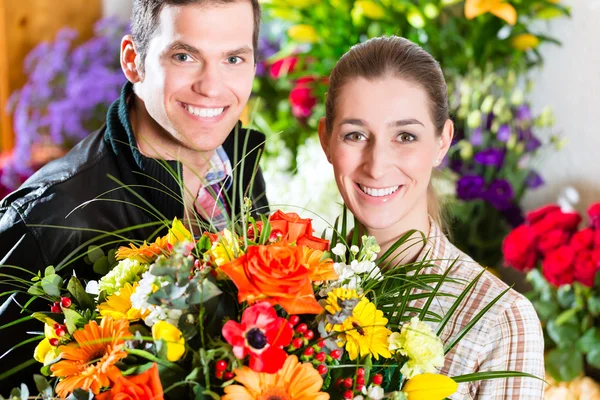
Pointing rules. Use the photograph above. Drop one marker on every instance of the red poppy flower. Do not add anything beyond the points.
(262, 335)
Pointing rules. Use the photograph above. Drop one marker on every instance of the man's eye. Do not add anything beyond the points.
(355, 137)
(183, 57)
(406, 137)
(234, 60)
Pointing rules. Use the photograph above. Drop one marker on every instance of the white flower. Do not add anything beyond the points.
(354, 249)
(339, 250)
(93, 287)
(373, 392)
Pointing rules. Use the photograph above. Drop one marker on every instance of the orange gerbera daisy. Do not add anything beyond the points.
(321, 269)
(294, 381)
(90, 362)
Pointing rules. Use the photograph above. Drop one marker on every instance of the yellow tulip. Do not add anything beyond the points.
(303, 33)
(500, 8)
(525, 41)
(179, 233)
(429, 387)
(172, 337)
(370, 9)
(44, 352)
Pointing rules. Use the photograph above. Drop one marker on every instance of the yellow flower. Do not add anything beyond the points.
(500, 8)
(226, 248)
(178, 233)
(365, 331)
(423, 348)
(332, 303)
(173, 338)
(303, 33)
(45, 353)
(525, 41)
(118, 306)
(370, 9)
(294, 381)
(429, 387)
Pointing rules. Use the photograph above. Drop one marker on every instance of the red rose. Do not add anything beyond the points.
(582, 240)
(296, 229)
(519, 248)
(557, 267)
(283, 66)
(302, 98)
(568, 221)
(585, 268)
(596, 242)
(556, 220)
(536, 215)
(145, 386)
(594, 214)
(551, 240)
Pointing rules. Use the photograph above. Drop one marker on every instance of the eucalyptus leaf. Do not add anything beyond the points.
(49, 270)
(203, 292)
(95, 253)
(589, 341)
(36, 289)
(24, 392)
(42, 385)
(593, 357)
(563, 335)
(158, 270)
(101, 266)
(52, 284)
(564, 364)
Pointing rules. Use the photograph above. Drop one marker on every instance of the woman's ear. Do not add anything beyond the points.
(324, 138)
(130, 60)
(445, 141)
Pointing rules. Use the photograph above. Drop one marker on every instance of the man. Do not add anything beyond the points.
(190, 66)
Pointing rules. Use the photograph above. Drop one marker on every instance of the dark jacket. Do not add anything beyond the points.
(99, 186)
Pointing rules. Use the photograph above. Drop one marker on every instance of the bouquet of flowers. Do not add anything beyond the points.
(562, 261)
(264, 310)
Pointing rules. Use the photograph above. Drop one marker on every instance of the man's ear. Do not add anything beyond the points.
(445, 141)
(130, 60)
(324, 138)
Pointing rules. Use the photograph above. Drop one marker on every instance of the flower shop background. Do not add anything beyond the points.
(558, 113)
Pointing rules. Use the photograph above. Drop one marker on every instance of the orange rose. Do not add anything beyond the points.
(277, 274)
(296, 229)
(145, 386)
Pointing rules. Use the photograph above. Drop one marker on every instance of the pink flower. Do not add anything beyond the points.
(283, 66)
(262, 335)
(302, 98)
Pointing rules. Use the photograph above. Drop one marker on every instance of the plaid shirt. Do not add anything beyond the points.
(211, 203)
(508, 337)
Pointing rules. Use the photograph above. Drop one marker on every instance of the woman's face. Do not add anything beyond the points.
(383, 147)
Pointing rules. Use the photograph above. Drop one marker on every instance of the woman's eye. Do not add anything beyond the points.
(182, 57)
(234, 60)
(355, 137)
(406, 137)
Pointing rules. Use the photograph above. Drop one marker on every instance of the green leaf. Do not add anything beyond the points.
(24, 392)
(546, 310)
(563, 335)
(95, 253)
(479, 376)
(566, 296)
(593, 357)
(567, 316)
(72, 319)
(594, 304)
(36, 289)
(52, 284)
(589, 341)
(80, 394)
(42, 385)
(101, 266)
(202, 293)
(49, 270)
(204, 244)
(83, 298)
(564, 364)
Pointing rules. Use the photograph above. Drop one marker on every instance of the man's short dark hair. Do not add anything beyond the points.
(144, 20)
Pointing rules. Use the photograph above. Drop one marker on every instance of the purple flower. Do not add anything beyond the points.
(534, 180)
(470, 187)
(500, 194)
(489, 121)
(476, 137)
(513, 215)
(504, 133)
(523, 113)
(494, 157)
(532, 144)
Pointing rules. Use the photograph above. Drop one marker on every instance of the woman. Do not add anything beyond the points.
(386, 128)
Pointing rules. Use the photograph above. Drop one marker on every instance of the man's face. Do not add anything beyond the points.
(198, 72)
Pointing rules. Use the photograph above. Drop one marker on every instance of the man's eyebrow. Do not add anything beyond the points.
(178, 45)
(241, 50)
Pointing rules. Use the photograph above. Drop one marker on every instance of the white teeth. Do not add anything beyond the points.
(204, 112)
(379, 192)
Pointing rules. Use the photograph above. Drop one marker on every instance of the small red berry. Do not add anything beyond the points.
(65, 301)
(60, 331)
(275, 235)
(321, 356)
(360, 372)
(348, 383)
(294, 319)
(297, 343)
(55, 308)
(221, 365)
(339, 381)
(309, 335)
(302, 328)
(321, 343)
(219, 374)
(348, 394)
(322, 369)
(309, 351)
(56, 325)
(228, 375)
(360, 380)
(335, 354)
(53, 342)
(359, 386)
(377, 379)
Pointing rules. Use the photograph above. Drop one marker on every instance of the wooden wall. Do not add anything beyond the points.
(25, 23)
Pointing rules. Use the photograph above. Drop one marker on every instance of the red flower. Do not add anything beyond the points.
(585, 268)
(519, 248)
(557, 267)
(283, 66)
(594, 214)
(551, 240)
(556, 220)
(262, 335)
(145, 386)
(298, 230)
(582, 240)
(536, 215)
(302, 98)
